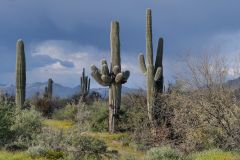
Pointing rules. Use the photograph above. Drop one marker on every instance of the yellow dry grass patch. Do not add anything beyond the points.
(64, 124)
(4, 155)
(216, 155)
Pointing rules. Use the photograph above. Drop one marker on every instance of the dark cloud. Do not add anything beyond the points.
(184, 24)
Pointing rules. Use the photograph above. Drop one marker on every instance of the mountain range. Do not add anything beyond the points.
(58, 90)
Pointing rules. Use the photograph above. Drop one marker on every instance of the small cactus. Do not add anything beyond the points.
(84, 85)
(20, 74)
(112, 76)
(153, 73)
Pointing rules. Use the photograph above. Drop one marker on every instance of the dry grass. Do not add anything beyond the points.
(4, 155)
(114, 142)
(215, 155)
(64, 124)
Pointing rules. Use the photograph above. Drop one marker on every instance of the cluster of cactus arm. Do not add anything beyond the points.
(107, 76)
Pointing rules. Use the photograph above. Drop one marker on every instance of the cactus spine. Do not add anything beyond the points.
(113, 77)
(20, 74)
(153, 73)
(84, 85)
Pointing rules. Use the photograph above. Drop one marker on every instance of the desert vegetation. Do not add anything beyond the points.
(197, 117)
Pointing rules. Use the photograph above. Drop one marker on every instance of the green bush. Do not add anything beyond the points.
(27, 124)
(18, 127)
(85, 147)
(7, 111)
(72, 145)
(99, 116)
(16, 146)
(162, 153)
(68, 112)
(36, 151)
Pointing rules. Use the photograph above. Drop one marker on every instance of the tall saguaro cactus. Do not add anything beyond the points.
(84, 85)
(153, 73)
(113, 76)
(20, 74)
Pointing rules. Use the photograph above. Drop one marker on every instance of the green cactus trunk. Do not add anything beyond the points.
(50, 89)
(154, 74)
(84, 86)
(115, 89)
(20, 74)
(114, 78)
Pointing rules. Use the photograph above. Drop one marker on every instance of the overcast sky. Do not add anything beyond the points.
(63, 36)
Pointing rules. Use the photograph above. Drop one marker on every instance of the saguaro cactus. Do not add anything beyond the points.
(20, 74)
(50, 88)
(84, 85)
(153, 73)
(113, 76)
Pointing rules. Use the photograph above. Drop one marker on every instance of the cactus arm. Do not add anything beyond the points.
(88, 89)
(119, 78)
(81, 83)
(105, 70)
(158, 74)
(142, 64)
(126, 75)
(104, 61)
(149, 47)
(106, 79)
(116, 70)
(158, 63)
(122, 77)
(159, 57)
(97, 76)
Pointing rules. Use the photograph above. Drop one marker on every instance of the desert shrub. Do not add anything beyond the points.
(85, 147)
(18, 127)
(93, 117)
(43, 105)
(98, 116)
(89, 99)
(7, 111)
(52, 143)
(39, 151)
(27, 124)
(36, 151)
(162, 153)
(135, 121)
(206, 110)
(67, 113)
(16, 146)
